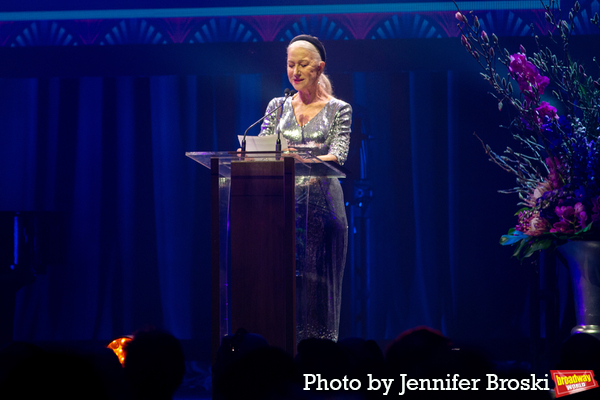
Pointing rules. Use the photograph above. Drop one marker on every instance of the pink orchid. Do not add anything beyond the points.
(531, 83)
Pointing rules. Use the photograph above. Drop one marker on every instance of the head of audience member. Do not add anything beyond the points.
(154, 365)
(420, 352)
(324, 357)
(29, 371)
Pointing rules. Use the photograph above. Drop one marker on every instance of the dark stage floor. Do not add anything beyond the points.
(197, 382)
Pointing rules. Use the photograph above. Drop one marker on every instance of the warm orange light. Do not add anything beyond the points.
(119, 347)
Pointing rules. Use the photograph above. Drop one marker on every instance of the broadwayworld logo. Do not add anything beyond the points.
(569, 382)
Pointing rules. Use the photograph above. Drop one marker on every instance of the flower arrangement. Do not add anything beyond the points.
(557, 165)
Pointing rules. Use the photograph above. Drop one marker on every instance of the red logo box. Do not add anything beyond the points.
(572, 381)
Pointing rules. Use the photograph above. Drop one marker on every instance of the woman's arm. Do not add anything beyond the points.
(329, 157)
(268, 125)
(340, 136)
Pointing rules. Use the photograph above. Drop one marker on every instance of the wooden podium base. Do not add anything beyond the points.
(263, 241)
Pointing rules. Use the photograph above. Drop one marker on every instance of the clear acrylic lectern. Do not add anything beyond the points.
(254, 231)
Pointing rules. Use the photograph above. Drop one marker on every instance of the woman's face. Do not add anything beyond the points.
(302, 69)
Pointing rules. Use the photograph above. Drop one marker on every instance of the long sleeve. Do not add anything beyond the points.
(268, 125)
(339, 135)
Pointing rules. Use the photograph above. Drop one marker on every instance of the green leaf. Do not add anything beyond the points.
(519, 248)
(539, 245)
(587, 228)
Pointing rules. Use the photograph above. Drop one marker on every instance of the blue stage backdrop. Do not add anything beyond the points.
(97, 111)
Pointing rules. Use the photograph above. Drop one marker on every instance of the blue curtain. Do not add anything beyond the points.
(436, 217)
(108, 152)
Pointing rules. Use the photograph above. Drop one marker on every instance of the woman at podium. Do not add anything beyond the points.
(313, 119)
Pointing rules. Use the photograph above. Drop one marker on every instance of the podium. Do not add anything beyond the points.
(254, 231)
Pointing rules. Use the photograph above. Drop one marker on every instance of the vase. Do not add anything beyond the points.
(582, 258)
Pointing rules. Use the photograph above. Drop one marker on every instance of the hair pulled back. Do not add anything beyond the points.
(324, 88)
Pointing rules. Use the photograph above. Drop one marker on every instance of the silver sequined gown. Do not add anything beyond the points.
(321, 250)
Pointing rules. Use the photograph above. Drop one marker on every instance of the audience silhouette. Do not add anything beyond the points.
(247, 368)
(154, 365)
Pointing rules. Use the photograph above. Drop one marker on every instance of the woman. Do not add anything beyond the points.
(315, 120)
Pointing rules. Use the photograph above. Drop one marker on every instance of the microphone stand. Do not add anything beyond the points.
(288, 93)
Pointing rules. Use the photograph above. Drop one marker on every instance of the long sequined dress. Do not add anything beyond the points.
(321, 249)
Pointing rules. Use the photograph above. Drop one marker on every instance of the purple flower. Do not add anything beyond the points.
(460, 16)
(564, 212)
(562, 227)
(571, 219)
(485, 37)
(531, 83)
(581, 215)
(554, 177)
(545, 113)
(465, 42)
(567, 220)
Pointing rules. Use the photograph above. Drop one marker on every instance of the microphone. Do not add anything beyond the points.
(287, 93)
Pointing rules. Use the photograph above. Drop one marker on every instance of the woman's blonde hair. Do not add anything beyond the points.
(324, 88)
